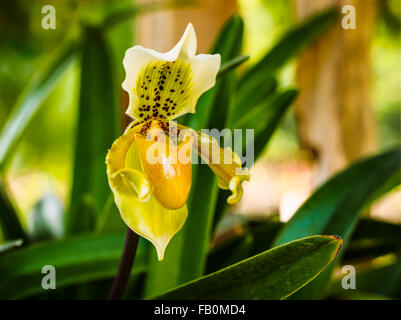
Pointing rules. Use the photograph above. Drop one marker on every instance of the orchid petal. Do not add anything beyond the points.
(168, 168)
(133, 196)
(225, 164)
(168, 85)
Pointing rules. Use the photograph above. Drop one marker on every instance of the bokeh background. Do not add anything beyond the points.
(348, 108)
(292, 166)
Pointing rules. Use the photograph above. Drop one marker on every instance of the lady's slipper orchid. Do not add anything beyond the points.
(151, 195)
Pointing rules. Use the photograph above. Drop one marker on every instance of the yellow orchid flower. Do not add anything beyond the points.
(148, 170)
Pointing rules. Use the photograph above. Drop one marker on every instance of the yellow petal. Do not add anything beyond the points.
(139, 209)
(151, 220)
(132, 183)
(168, 168)
(225, 164)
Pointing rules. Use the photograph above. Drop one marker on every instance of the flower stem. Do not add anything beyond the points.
(126, 263)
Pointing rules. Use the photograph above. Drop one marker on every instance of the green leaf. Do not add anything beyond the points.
(228, 42)
(96, 129)
(185, 257)
(9, 222)
(232, 64)
(371, 239)
(255, 239)
(264, 120)
(258, 82)
(9, 245)
(266, 117)
(335, 207)
(382, 280)
(293, 43)
(377, 230)
(109, 219)
(274, 274)
(28, 104)
(250, 93)
(77, 260)
(391, 283)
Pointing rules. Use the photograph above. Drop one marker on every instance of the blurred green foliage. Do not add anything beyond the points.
(68, 115)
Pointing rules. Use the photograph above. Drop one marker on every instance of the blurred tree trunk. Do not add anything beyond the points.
(334, 109)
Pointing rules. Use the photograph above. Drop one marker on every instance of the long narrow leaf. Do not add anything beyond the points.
(76, 260)
(293, 43)
(251, 93)
(32, 98)
(371, 239)
(335, 207)
(255, 239)
(96, 130)
(265, 118)
(274, 274)
(231, 64)
(258, 82)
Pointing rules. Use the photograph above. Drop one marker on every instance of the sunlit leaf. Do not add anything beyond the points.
(293, 43)
(28, 104)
